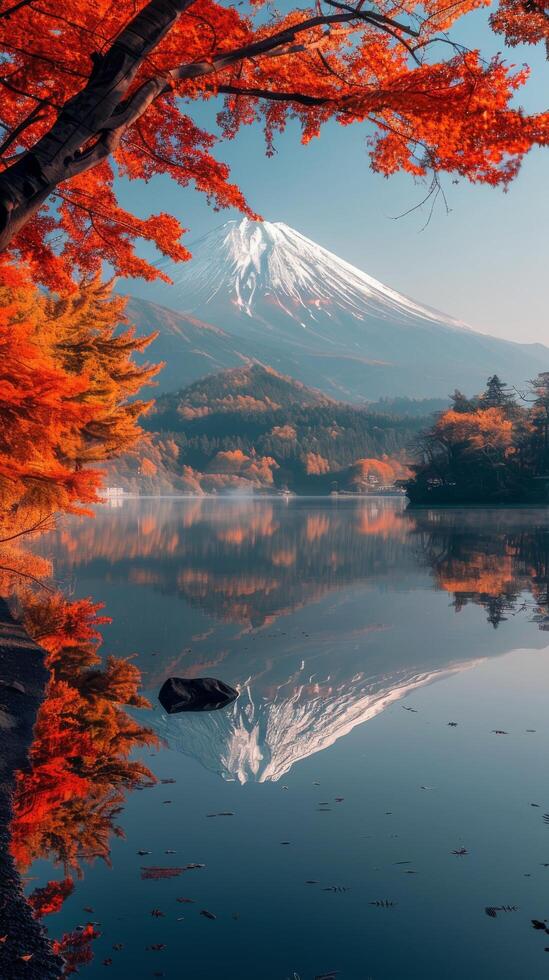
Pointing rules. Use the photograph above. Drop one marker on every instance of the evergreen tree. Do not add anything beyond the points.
(462, 404)
(497, 394)
(539, 416)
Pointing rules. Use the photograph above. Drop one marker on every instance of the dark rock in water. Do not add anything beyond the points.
(198, 694)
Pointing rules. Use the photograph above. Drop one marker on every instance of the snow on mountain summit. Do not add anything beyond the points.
(263, 292)
(247, 263)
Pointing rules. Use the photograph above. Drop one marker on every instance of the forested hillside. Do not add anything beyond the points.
(252, 428)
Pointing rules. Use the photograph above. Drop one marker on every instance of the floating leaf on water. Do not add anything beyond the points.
(155, 874)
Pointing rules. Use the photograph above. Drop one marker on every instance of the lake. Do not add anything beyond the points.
(378, 790)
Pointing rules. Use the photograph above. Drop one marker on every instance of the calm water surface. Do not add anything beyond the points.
(331, 617)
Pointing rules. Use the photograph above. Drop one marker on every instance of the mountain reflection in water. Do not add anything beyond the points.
(322, 613)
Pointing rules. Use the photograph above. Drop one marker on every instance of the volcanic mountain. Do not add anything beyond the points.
(261, 291)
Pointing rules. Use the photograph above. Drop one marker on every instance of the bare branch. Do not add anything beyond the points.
(371, 15)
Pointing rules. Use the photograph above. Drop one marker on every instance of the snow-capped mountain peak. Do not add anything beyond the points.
(247, 263)
(276, 297)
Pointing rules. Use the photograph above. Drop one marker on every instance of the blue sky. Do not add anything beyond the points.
(486, 262)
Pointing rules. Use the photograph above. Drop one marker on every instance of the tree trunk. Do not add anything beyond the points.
(82, 135)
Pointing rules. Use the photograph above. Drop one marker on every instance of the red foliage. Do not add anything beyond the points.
(429, 106)
(65, 807)
(50, 898)
(75, 948)
(66, 375)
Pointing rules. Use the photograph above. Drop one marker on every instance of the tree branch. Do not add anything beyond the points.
(91, 124)
(281, 43)
(29, 181)
(14, 8)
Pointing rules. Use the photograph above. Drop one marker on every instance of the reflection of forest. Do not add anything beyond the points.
(303, 695)
(498, 559)
(328, 665)
(246, 561)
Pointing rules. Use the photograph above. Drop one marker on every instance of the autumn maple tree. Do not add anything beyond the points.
(67, 387)
(95, 89)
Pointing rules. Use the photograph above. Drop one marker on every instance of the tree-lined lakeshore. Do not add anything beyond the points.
(491, 449)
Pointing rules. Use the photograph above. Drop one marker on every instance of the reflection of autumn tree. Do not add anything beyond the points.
(75, 948)
(66, 806)
(496, 570)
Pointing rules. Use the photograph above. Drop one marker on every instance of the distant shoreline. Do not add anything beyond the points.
(251, 496)
(333, 498)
